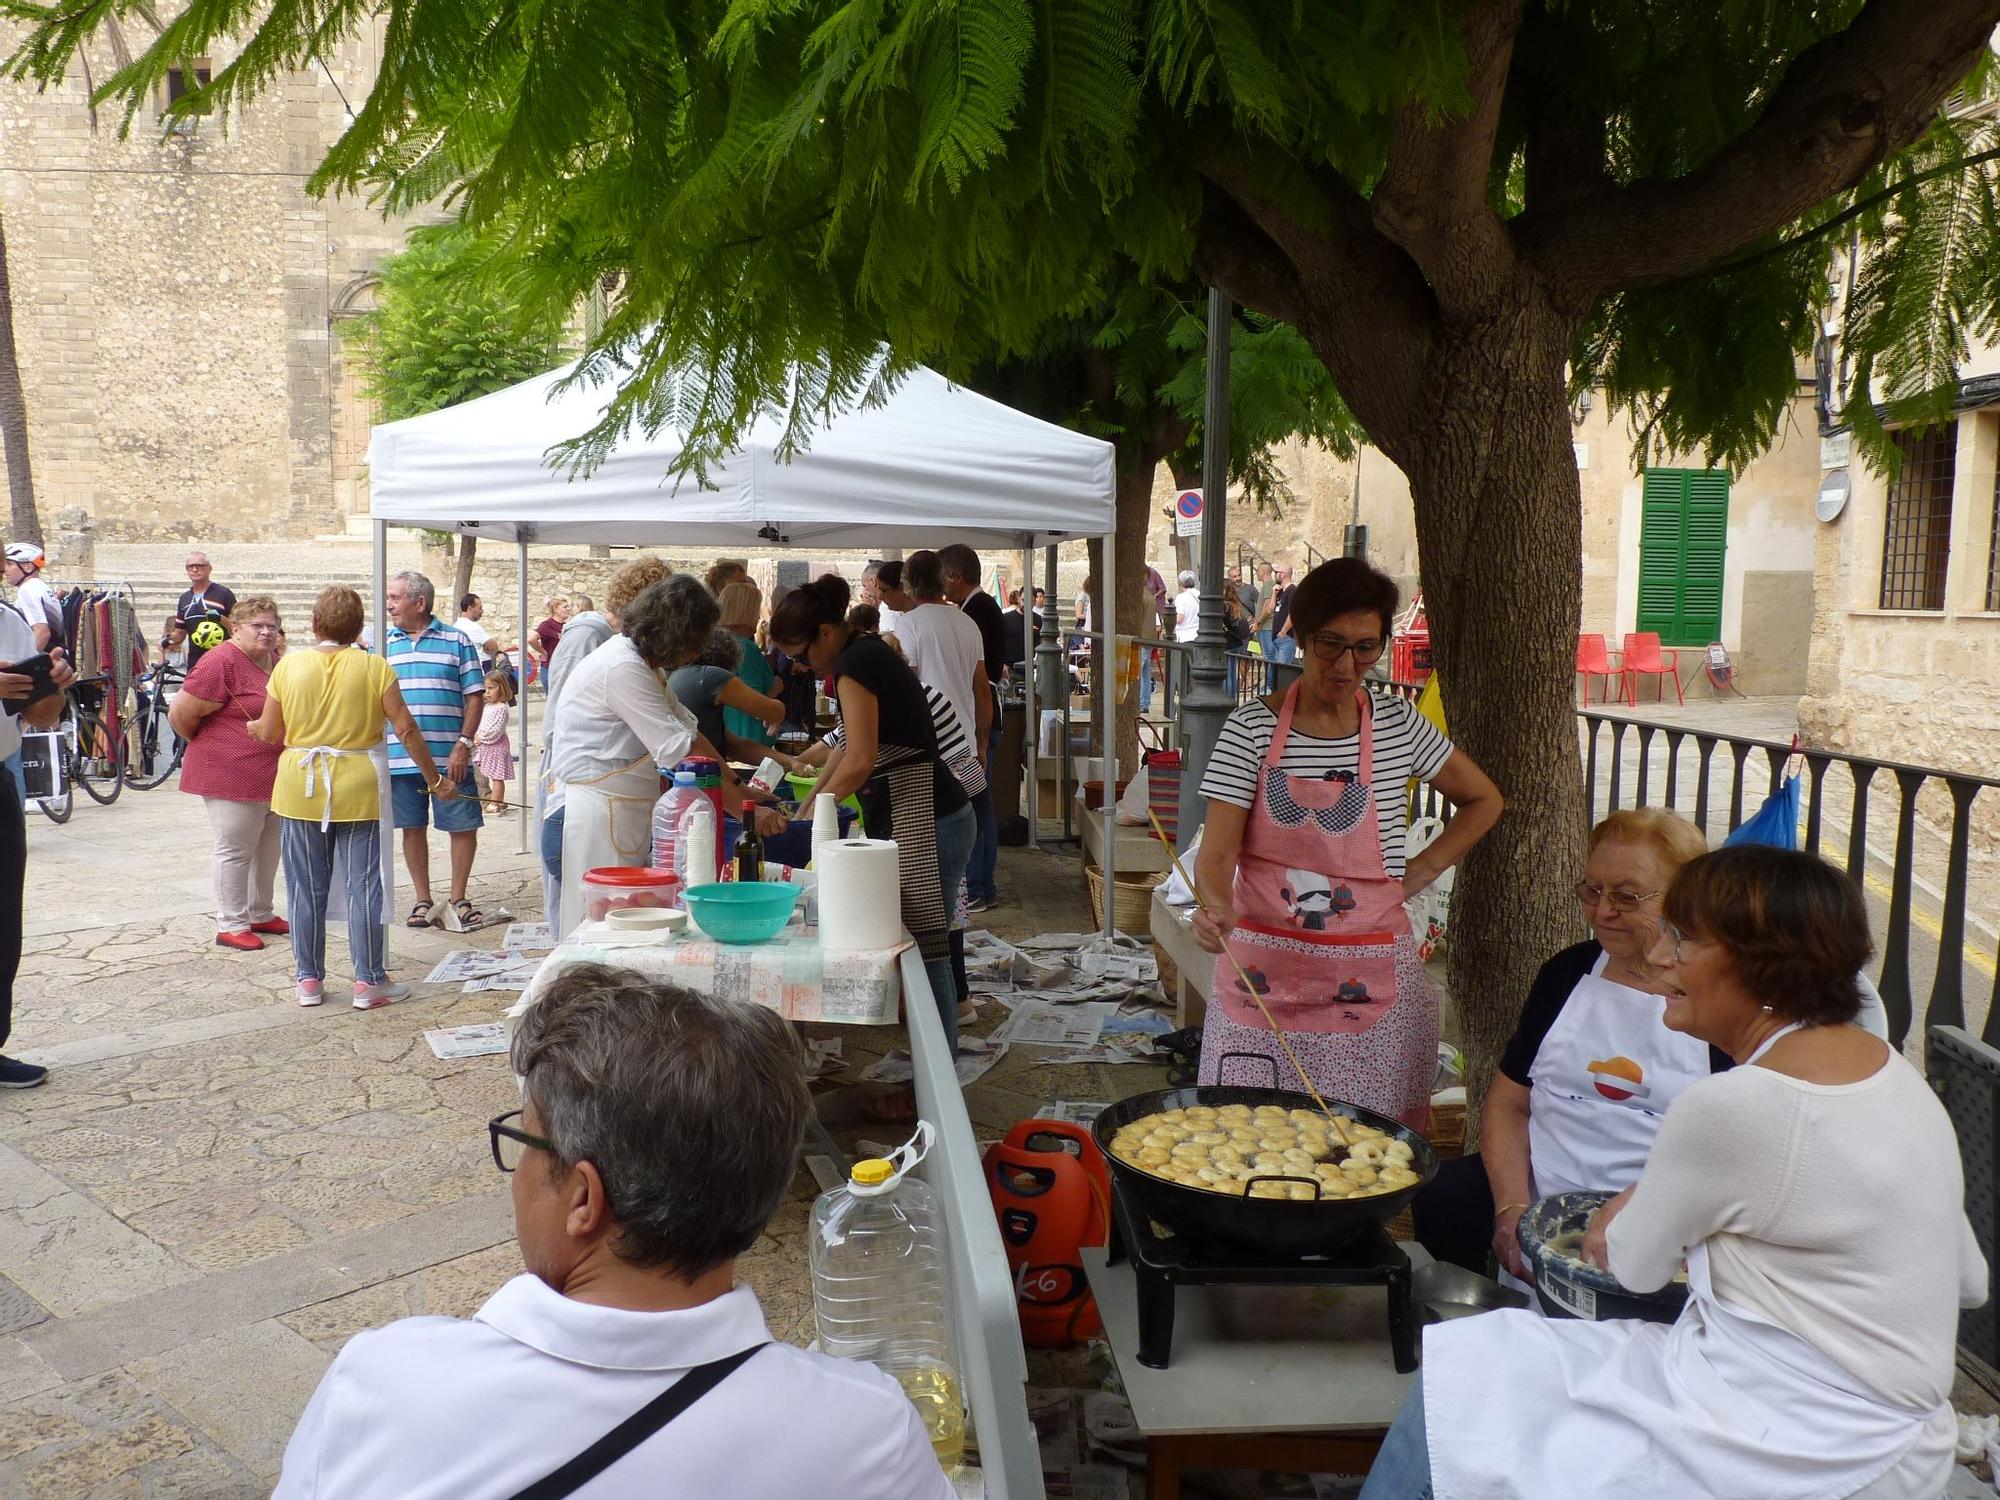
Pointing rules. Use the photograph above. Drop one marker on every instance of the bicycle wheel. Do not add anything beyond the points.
(58, 809)
(100, 759)
(152, 752)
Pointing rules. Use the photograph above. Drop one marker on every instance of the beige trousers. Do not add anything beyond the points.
(246, 861)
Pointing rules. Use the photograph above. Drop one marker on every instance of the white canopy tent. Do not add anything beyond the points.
(932, 463)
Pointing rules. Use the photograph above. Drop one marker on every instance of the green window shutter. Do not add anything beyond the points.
(1683, 534)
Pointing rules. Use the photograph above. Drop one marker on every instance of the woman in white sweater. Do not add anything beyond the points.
(1815, 1194)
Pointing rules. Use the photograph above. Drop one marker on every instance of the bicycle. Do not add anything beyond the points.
(92, 752)
(156, 750)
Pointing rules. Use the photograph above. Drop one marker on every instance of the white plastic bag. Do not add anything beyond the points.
(1133, 802)
(1430, 909)
(1173, 890)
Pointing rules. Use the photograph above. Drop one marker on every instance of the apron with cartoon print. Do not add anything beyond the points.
(1322, 934)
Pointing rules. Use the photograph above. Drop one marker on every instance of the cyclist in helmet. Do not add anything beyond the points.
(32, 595)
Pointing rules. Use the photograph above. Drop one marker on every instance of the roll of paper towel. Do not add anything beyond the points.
(860, 895)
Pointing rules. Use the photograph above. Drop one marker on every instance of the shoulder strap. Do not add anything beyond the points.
(636, 1428)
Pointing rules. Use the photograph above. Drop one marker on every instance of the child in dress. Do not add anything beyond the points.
(492, 754)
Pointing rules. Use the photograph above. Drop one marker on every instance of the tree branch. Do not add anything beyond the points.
(1843, 105)
(1359, 299)
(1432, 199)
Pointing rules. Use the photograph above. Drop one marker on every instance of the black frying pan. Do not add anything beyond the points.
(1273, 1226)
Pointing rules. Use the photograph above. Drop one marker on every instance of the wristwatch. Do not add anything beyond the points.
(466, 742)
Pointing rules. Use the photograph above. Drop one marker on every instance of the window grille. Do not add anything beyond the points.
(1916, 541)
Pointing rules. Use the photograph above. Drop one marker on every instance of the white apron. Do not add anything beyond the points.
(1602, 1080)
(606, 821)
(1722, 1403)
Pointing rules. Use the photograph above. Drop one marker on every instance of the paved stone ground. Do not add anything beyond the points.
(217, 1188)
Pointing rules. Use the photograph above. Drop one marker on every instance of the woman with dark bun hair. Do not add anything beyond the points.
(890, 759)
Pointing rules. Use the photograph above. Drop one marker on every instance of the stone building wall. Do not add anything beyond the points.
(172, 298)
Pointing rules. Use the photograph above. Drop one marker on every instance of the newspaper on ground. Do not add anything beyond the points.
(468, 963)
(823, 1056)
(529, 937)
(1107, 1049)
(482, 1039)
(506, 979)
(1036, 1023)
(1073, 1111)
(976, 1057)
(1063, 968)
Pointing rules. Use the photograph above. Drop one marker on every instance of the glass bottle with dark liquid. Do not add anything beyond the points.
(748, 854)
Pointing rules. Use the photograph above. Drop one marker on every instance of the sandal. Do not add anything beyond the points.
(462, 916)
(423, 914)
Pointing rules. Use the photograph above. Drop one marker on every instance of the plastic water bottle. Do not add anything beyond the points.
(667, 819)
(880, 1279)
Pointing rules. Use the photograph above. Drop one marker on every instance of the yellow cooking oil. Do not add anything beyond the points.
(934, 1393)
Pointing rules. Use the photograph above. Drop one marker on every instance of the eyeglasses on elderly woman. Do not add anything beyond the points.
(1618, 898)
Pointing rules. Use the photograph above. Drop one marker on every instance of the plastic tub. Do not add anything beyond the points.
(741, 911)
(611, 888)
(645, 919)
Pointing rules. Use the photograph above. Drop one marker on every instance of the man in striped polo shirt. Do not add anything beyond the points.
(443, 682)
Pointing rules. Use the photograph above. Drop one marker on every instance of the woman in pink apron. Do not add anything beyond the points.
(1301, 867)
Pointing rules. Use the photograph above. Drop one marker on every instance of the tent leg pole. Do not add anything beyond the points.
(1031, 729)
(1107, 670)
(521, 719)
(379, 562)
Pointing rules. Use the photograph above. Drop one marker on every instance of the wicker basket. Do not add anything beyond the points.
(1131, 906)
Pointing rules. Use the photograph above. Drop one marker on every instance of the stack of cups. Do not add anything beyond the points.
(826, 825)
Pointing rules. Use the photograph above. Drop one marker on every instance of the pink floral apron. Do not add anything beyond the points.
(1322, 934)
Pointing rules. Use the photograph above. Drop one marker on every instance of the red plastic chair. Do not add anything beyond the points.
(1593, 659)
(1645, 657)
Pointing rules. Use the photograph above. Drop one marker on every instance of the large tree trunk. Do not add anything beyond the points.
(1499, 534)
(24, 524)
(461, 576)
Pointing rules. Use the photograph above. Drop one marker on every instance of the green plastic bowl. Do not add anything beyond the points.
(747, 911)
(802, 787)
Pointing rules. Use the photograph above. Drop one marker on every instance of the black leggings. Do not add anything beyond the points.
(13, 877)
(1454, 1215)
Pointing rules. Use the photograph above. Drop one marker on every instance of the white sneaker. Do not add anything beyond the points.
(375, 996)
(311, 992)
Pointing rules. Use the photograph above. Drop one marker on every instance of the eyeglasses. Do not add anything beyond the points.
(1590, 893)
(1673, 935)
(262, 628)
(1330, 649)
(510, 1141)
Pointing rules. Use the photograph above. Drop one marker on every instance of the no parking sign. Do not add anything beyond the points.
(1187, 513)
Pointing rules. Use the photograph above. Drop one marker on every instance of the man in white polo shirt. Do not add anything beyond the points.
(659, 1134)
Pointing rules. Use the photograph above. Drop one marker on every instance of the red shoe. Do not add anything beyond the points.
(242, 942)
(276, 926)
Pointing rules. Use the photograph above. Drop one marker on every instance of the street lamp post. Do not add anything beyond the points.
(1207, 701)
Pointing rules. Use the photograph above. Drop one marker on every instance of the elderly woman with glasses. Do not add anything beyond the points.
(1302, 873)
(231, 771)
(1815, 1197)
(1592, 1066)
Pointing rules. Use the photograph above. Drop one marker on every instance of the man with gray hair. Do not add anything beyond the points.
(658, 1133)
(443, 680)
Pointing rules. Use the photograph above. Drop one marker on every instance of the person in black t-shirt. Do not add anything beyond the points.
(890, 757)
(202, 600)
(1284, 646)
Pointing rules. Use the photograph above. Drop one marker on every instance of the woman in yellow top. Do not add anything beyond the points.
(326, 707)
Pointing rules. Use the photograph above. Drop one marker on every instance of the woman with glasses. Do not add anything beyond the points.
(1814, 1195)
(1301, 870)
(1592, 1066)
(232, 772)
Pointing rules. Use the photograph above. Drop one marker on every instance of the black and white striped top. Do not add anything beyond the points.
(954, 749)
(1406, 745)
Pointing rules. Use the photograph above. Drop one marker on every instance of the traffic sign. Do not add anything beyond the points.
(1187, 513)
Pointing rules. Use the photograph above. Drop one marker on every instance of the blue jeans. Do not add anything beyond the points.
(955, 835)
(413, 805)
(1264, 644)
(552, 829)
(1402, 1470)
(1145, 679)
(1287, 649)
(979, 869)
(308, 858)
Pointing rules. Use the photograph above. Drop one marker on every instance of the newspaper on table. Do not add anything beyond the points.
(482, 1039)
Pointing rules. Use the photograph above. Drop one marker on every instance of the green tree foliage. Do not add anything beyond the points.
(444, 328)
(1461, 206)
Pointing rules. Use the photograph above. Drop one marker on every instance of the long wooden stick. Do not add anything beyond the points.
(1271, 1020)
